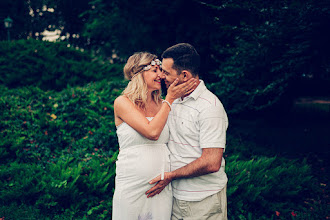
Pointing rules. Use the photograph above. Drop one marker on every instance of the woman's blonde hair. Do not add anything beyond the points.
(137, 89)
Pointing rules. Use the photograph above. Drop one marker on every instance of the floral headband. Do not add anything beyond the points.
(148, 67)
(153, 63)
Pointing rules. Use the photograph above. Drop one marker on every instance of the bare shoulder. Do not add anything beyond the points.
(123, 104)
(121, 100)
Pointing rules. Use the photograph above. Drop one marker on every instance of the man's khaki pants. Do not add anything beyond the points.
(213, 207)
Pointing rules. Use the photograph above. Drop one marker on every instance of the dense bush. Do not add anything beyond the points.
(58, 151)
(77, 185)
(265, 184)
(261, 186)
(48, 122)
(58, 148)
(50, 65)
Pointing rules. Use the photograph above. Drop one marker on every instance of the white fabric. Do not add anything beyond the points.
(139, 161)
(198, 121)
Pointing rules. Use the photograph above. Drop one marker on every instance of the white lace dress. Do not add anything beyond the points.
(139, 161)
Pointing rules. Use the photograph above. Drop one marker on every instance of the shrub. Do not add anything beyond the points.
(260, 186)
(65, 187)
(36, 125)
(20, 182)
(58, 149)
(50, 65)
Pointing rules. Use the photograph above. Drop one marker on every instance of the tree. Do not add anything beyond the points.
(265, 50)
(50, 65)
(253, 52)
(31, 18)
(18, 11)
(125, 27)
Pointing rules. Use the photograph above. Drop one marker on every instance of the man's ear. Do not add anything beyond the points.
(186, 75)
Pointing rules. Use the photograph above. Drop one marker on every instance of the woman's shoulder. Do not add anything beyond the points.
(122, 101)
(121, 98)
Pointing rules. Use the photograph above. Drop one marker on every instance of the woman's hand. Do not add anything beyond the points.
(176, 91)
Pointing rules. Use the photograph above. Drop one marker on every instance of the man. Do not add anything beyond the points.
(198, 124)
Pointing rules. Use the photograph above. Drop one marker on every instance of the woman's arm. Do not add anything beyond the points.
(127, 112)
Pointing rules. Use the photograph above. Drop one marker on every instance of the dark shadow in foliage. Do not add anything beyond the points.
(51, 66)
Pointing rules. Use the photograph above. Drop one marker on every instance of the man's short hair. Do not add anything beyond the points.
(185, 57)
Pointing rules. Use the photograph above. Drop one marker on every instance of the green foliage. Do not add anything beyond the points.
(59, 158)
(58, 150)
(130, 30)
(19, 13)
(252, 61)
(50, 65)
(32, 18)
(20, 182)
(263, 185)
(76, 185)
(262, 54)
(27, 212)
(64, 187)
(60, 184)
(36, 124)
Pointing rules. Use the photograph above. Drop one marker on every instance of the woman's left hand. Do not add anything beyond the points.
(176, 91)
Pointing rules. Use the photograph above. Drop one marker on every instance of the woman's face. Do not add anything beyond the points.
(152, 78)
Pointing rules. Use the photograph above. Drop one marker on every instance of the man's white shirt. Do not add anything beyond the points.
(196, 122)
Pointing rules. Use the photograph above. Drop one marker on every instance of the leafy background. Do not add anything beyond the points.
(267, 61)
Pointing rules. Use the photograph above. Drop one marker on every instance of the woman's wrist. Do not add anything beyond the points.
(169, 99)
(168, 103)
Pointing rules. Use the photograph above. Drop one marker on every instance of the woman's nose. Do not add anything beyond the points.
(161, 74)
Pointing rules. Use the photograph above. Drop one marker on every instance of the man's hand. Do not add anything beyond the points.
(161, 184)
(209, 162)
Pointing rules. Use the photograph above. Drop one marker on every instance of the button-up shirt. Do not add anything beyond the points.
(196, 122)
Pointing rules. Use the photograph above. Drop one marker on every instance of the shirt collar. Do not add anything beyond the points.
(196, 93)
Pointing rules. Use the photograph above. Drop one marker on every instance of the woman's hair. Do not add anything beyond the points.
(137, 89)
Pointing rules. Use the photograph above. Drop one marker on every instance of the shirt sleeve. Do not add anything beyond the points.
(213, 123)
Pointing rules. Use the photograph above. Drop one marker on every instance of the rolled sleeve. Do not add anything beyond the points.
(213, 125)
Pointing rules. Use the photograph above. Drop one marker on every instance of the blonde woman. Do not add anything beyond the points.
(140, 117)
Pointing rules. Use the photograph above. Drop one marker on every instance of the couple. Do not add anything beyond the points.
(170, 164)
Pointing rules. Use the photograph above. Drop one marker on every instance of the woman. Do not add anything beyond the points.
(140, 117)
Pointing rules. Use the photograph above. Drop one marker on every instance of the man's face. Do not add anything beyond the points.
(169, 74)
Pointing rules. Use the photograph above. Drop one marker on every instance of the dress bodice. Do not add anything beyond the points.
(128, 137)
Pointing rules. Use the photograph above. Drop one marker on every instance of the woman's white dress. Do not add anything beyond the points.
(139, 161)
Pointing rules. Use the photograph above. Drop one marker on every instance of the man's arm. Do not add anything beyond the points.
(209, 162)
(213, 125)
